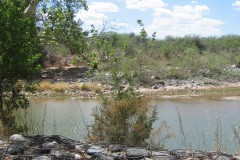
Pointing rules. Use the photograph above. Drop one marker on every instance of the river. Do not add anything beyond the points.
(197, 123)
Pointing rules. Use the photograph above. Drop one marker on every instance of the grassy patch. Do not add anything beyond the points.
(76, 86)
(90, 87)
(60, 87)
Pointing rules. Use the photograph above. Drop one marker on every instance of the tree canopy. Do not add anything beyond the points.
(26, 26)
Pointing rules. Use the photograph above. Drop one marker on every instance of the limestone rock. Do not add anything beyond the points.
(17, 138)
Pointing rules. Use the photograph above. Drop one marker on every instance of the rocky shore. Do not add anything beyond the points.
(55, 147)
(154, 85)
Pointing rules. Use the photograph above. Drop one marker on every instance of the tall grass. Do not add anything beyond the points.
(213, 139)
(44, 85)
(159, 136)
(60, 87)
(181, 129)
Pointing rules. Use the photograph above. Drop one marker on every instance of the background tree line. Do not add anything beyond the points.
(172, 57)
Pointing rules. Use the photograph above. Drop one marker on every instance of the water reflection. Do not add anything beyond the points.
(206, 123)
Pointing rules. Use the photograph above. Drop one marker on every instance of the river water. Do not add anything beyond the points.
(197, 123)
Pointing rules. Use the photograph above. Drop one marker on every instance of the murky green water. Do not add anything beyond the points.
(206, 123)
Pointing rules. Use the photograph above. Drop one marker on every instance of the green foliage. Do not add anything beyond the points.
(175, 73)
(237, 60)
(19, 59)
(26, 28)
(13, 101)
(19, 49)
(173, 57)
(59, 26)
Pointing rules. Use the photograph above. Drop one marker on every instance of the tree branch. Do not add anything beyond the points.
(31, 8)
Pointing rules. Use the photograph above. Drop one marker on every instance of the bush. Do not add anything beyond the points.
(125, 117)
(124, 121)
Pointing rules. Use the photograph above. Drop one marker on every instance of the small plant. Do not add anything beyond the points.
(236, 59)
(75, 61)
(159, 135)
(31, 88)
(86, 87)
(175, 73)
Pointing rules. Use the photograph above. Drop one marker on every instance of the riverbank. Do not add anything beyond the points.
(56, 147)
(74, 81)
(226, 89)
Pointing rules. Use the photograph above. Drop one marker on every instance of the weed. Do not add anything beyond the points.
(160, 135)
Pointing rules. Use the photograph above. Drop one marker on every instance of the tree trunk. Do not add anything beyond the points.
(31, 8)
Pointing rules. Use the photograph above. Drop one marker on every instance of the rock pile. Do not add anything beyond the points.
(56, 147)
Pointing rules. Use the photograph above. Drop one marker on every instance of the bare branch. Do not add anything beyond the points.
(31, 8)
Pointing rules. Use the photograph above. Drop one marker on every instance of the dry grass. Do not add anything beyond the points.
(1, 130)
(44, 85)
(90, 87)
(62, 86)
(76, 86)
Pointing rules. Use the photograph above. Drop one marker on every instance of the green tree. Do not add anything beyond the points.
(19, 54)
(26, 26)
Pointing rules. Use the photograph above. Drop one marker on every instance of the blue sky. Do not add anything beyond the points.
(166, 17)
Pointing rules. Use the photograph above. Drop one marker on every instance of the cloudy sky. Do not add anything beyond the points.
(166, 17)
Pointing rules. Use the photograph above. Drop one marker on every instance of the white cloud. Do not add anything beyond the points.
(194, 2)
(97, 15)
(183, 20)
(236, 4)
(103, 7)
(202, 9)
(144, 4)
(91, 17)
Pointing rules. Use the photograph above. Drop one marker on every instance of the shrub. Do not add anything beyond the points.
(124, 121)
(125, 117)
